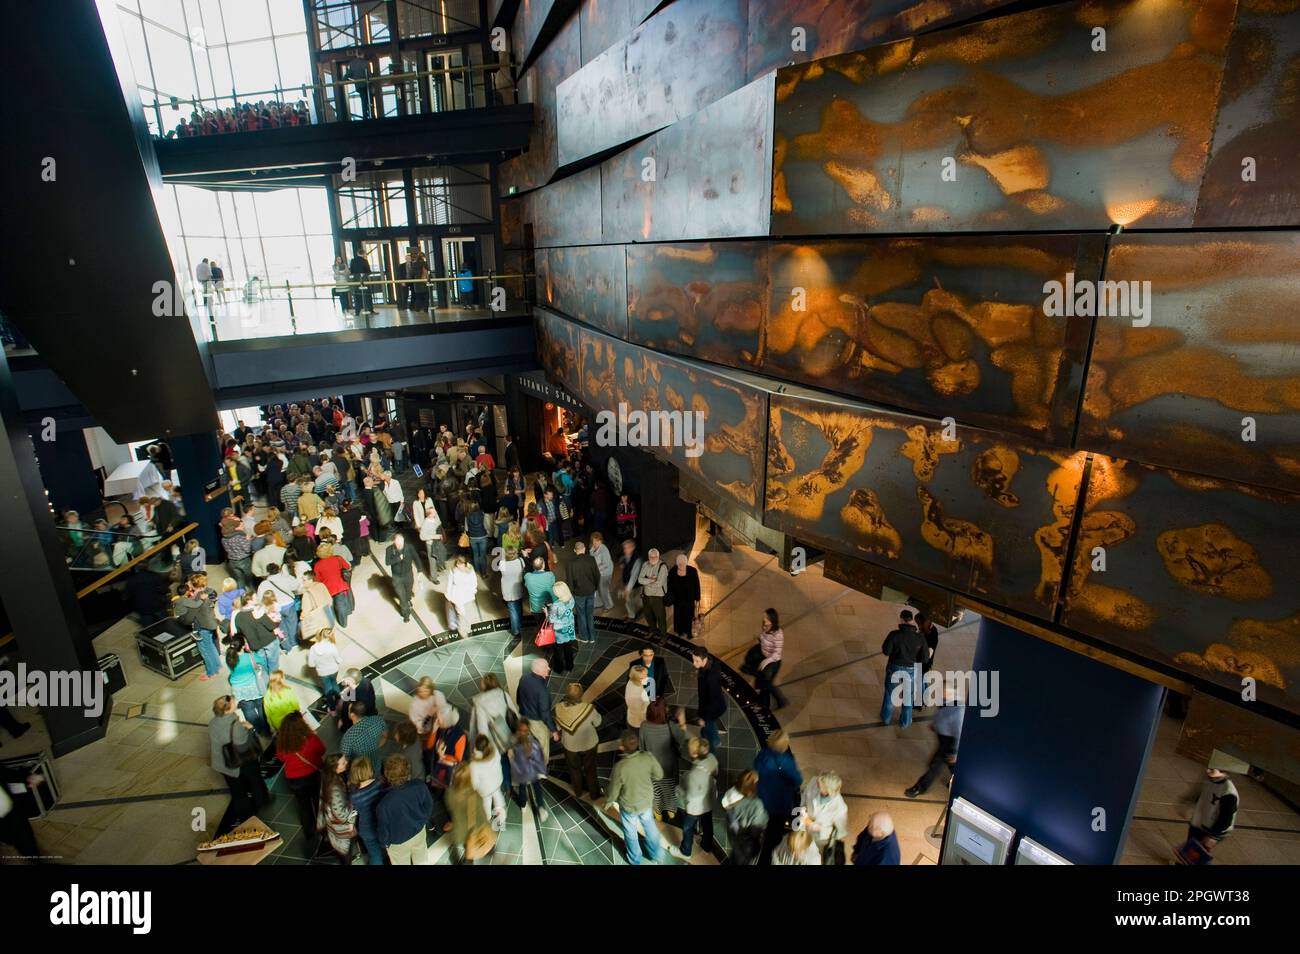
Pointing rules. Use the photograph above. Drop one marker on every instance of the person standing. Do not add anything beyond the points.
(196, 608)
(429, 525)
(229, 732)
(403, 813)
(696, 795)
(930, 633)
(365, 736)
(877, 844)
(364, 793)
(771, 642)
(324, 658)
(527, 769)
(659, 685)
(534, 699)
(317, 611)
(578, 721)
(561, 615)
(341, 279)
(947, 726)
(335, 573)
(462, 593)
(653, 580)
(302, 753)
(636, 695)
(540, 584)
(401, 564)
(584, 581)
(512, 588)
(630, 564)
(826, 816)
(710, 699)
(203, 275)
(746, 819)
(905, 652)
(488, 779)
(630, 799)
(684, 595)
(335, 816)
(1213, 818)
(779, 785)
(662, 741)
(605, 570)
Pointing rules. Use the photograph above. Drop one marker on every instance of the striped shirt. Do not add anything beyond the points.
(771, 643)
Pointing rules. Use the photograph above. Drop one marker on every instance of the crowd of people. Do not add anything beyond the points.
(242, 117)
(328, 487)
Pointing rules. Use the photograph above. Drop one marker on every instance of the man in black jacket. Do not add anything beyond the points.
(511, 456)
(584, 580)
(401, 564)
(657, 669)
(712, 703)
(905, 651)
(535, 705)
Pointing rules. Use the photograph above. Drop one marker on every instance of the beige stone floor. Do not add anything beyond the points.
(157, 740)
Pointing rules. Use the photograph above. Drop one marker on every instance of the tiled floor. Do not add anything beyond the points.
(140, 795)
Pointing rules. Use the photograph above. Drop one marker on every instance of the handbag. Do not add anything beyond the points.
(833, 853)
(235, 757)
(546, 634)
(463, 542)
(482, 839)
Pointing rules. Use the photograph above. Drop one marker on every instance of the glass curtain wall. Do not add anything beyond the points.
(218, 51)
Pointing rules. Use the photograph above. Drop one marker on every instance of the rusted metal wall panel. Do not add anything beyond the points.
(1199, 573)
(842, 26)
(567, 212)
(586, 282)
(606, 372)
(560, 59)
(1214, 724)
(948, 327)
(677, 62)
(1043, 133)
(707, 300)
(981, 514)
(712, 175)
(604, 23)
(1223, 345)
(1259, 120)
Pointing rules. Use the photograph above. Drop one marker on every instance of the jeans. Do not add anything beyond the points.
(898, 677)
(530, 793)
(208, 649)
(516, 615)
(255, 715)
(478, 548)
(329, 683)
(654, 845)
(241, 571)
(343, 606)
(458, 617)
(374, 850)
(289, 624)
(603, 598)
(584, 615)
(705, 824)
(710, 732)
(269, 656)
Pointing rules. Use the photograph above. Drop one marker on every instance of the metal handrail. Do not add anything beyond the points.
(234, 98)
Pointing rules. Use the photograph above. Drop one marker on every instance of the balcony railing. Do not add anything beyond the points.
(260, 309)
(374, 95)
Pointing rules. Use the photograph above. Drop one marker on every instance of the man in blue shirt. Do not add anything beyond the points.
(877, 845)
(947, 726)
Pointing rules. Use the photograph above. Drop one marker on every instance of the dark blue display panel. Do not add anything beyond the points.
(1070, 736)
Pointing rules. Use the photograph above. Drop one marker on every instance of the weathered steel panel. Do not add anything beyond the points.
(707, 300)
(1199, 573)
(608, 373)
(1251, 178)
(979, 513)
(709, 175)
(560, 60)
(586, 282)
(567, 212)
(1041, 131)
(1222, 347)
(947, 327)
(842, 26)
(677, 62)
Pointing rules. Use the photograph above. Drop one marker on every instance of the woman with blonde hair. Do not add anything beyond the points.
(468, 816)
(279, 700)
(560, 613)
(329, 520)
(797, 848)
(488, 780)
(695, 795)
(364, 790)
(637, 696)
(426, 702)
(826, 815)
(324, 658)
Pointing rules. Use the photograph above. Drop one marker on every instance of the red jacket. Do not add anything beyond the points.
(330, 572)
(306, 760)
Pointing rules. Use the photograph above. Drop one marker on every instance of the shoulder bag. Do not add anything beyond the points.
(234, 756)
